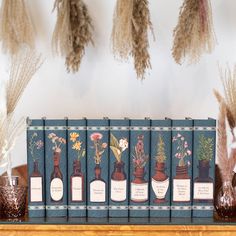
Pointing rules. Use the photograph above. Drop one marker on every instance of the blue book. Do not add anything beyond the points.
(139, 168)
(56, 167)
(160, 168)
(181, 199)
(35, 165)
(203, 167)
(76, 146)
(119, 168)
(97, 167)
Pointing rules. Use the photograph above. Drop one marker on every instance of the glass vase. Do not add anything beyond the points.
(12, 197)
(225, 203)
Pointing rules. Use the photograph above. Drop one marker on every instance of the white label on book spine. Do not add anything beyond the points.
(160, 188)
(139, 192)
(118, 190)
(181, 190)
(56, 189)
(97, 191)
(203, 191)
(76, 187)
(36, 189)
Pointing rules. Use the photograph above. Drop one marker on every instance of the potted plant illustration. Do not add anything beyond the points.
(118, 176)
(139, 186)
(204, 154)
(97, 185)
(56, 184)
(35, 177)
(160, 181)
(182, 153)
(77, 177)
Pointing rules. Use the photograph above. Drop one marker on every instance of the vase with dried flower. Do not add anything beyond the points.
(77, 177)
(160, 181)
(139, 185)
(225, 202)
(98, 185)
(118, 176)
(13, 194)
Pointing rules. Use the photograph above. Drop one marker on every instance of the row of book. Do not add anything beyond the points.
(121, 167)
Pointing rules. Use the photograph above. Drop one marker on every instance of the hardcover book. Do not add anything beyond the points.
(139, 168)
(182, 135)
(97, 167)
(56, 167)
(76, 146)
(204, 167)
(119, 168)
(160, 168)
(35, 165)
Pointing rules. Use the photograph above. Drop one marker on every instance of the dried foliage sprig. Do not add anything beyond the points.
(23, 67)
(194, 33)
(16, 28)
(73, 31)
(131, 23)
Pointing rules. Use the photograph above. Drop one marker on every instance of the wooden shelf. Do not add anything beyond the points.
(160, 230)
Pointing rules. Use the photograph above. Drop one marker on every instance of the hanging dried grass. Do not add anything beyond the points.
(131, 23)
(73, 31)
(194, 34)
(16, 28)
(122, 29)
(141, 24)
(23, 67)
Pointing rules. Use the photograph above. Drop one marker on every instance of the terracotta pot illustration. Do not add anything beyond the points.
(182, 172)
(118, 183)
(160, 183)
(139, 186)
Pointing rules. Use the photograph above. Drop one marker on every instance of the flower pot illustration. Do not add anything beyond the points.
(139, 186)
(77, 183)
(118, 183)
(160, 183)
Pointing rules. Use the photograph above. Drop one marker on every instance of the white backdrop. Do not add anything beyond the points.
(106, 87)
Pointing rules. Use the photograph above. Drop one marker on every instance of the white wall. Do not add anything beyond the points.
(106, 87)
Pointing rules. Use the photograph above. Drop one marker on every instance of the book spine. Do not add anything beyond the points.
(182, 161)
(204, 167)
(160, 168)
(139, 168)
(35, 165)
(119, 168)
(76, 146)
(97, 167)
(56, 167)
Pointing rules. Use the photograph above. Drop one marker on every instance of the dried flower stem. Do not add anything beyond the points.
(16, 28)
(194, 34)
(73, 31)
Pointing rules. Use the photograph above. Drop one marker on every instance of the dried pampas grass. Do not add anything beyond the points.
(194, 34)
(16, 28)
(73, 31)
(23, 67)
(227, 112)
(131, 23)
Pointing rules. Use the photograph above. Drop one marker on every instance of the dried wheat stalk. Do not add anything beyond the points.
(73, 31)
(194, 34)
(122, 29)
(16, 28)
